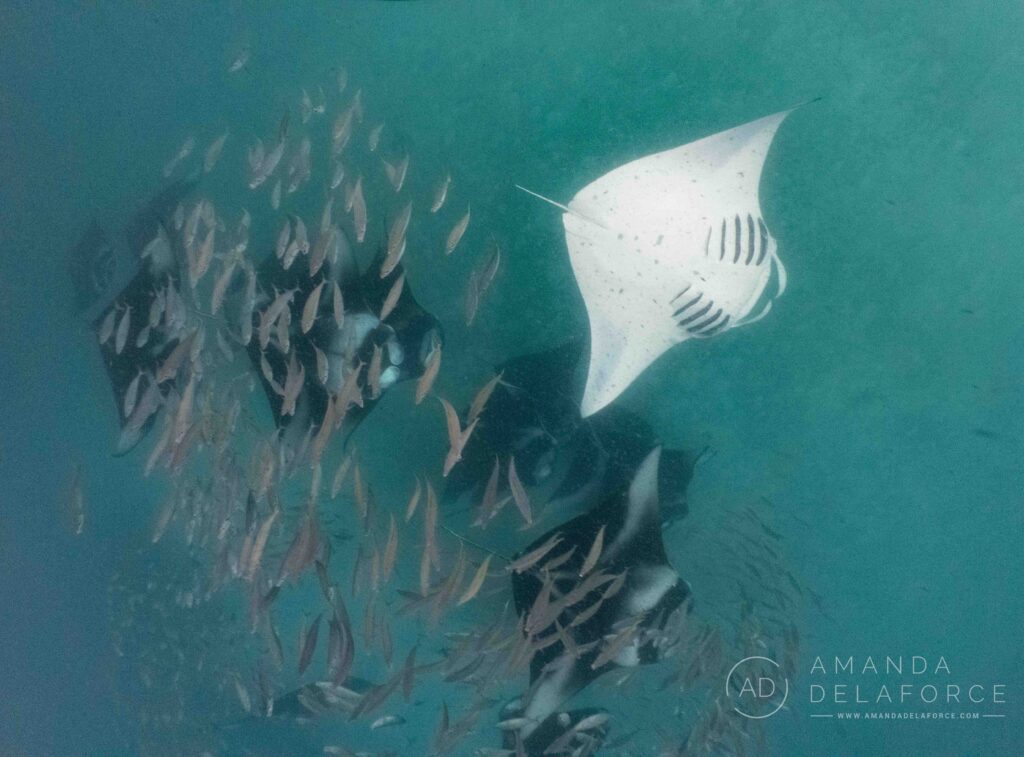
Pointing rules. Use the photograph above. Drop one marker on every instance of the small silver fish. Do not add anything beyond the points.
(338, 306)
(396, 240)
(457, 437)
(75, 503)
(374, 138)
(131, 395)
(386, 720)
(240, 61)
(311, 307)
(321, 365)
(359, 210)
(306, 107)
(122, 330)
(107, 327)
(275, 195)
(426, 381)
(213, 152)
(337, 175)
(455, 236)
(441, 193)
(396, 173)
(394, 294)
(183, 152)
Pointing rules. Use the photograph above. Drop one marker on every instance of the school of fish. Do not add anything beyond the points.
(396, 591)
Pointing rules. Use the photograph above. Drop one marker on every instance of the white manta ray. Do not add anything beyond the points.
(671, 247)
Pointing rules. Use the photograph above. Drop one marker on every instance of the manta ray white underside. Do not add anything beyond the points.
(671, 247)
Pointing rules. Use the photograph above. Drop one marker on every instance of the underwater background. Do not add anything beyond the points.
(878, 409)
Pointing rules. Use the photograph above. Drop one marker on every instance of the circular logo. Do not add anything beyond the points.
(756, 687)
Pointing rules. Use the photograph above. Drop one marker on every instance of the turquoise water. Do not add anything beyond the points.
(877, 410)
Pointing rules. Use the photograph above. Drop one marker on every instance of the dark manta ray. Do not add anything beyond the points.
(534, 416)
(531, 415)
(626, 628)
(93, 261)
(157, 269)
(407, 337)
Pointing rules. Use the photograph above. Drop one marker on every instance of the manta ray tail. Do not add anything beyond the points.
(560, 206)
(545, 199)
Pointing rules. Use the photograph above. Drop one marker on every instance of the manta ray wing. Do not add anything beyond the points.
(630, 522)
(670, 247)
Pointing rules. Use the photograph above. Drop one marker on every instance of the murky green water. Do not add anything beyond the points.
(873, 419)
